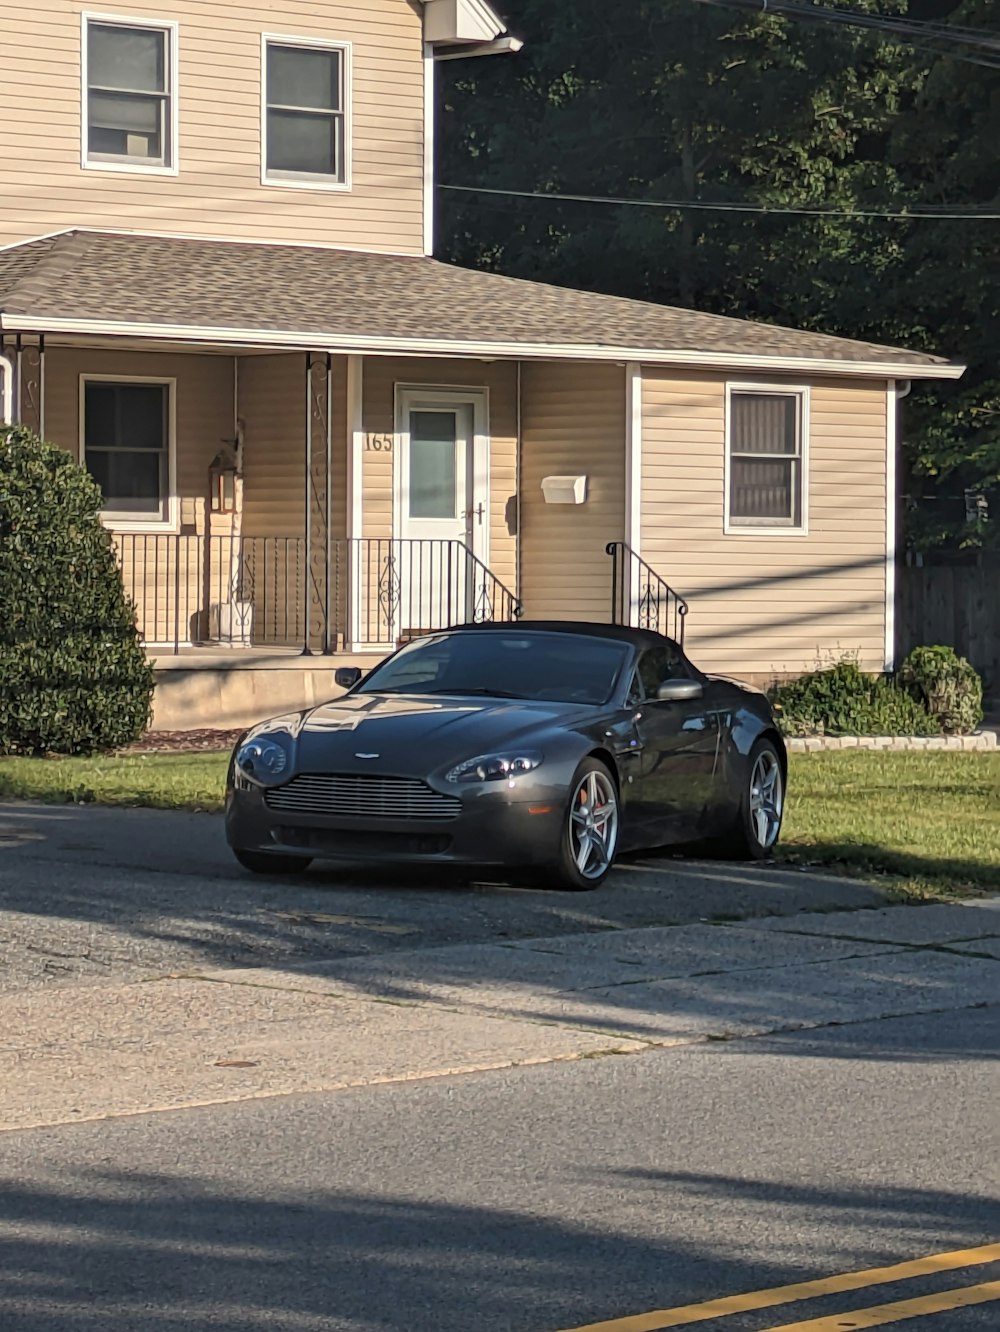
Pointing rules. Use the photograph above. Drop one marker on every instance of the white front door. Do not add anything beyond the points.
(441, 509)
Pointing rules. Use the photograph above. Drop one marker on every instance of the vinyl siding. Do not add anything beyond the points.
(272, 405)
(381, 376)
(217, 191)
(769, 604)
(166, 577)
(573, 423)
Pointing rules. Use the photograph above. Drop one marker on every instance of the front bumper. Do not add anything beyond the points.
(491, 830)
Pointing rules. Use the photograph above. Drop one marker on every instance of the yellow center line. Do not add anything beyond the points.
(880, 1314)
(686, 1314)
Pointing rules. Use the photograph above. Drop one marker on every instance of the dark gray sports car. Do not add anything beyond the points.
(548, 747)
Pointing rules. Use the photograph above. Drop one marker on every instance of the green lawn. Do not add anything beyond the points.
(931, 821)
(158, 781)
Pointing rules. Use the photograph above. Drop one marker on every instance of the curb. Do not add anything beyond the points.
(814, 744)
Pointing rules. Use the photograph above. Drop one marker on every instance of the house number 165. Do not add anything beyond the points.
(379, 444)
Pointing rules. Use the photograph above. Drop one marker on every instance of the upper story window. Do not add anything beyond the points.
(306, 132)
(130, 94)
(766, 463)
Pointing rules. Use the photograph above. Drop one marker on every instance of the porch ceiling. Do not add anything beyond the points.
(235, 294)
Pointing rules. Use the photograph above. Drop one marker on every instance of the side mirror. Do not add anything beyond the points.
(347, 676)
(679, 691)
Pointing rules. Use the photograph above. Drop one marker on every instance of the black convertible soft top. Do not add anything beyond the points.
(584, 628)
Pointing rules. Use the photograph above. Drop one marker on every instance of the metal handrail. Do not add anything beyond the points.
(641, 598)
(403, 587)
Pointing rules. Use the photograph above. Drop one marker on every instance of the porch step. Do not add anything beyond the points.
(227, 691)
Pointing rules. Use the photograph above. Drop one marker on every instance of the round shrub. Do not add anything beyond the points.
(843, 700)
(73, 675)
(947, 686)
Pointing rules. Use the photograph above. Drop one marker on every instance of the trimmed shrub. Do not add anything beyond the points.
(73, 676)
(947, 685)
(843, 700)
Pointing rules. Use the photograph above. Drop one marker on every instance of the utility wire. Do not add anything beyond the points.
(923, 212)
(924, 32)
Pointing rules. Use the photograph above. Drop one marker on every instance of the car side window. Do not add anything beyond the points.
(659, 664)
(636, 693)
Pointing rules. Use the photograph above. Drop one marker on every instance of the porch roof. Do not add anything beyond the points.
(310, 297)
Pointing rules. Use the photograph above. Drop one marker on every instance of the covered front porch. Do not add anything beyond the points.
(278, 513)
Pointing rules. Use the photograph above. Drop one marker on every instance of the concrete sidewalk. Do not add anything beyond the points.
(77, 1053)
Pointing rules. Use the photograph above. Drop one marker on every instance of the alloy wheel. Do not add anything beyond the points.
(767, 798)
(594, 825)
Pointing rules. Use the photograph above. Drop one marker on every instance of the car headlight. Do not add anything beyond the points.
(263, 760)
(495, 767)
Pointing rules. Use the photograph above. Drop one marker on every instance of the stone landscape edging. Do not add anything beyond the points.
(981, 740)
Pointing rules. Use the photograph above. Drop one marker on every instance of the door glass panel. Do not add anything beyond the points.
(433, 465)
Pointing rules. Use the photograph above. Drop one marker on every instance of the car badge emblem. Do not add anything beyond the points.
(367, 756)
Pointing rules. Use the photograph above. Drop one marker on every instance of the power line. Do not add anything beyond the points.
(923, 212)
(925, 31)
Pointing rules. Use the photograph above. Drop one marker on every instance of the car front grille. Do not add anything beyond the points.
(359, 796)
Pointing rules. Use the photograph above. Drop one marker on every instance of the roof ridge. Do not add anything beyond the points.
(48, 264)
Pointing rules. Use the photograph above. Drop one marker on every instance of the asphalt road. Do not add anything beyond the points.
(94, 895)
(527, 1200)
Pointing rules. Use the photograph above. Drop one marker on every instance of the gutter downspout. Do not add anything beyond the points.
(897, 391)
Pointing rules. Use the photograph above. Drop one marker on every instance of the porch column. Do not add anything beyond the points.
(320, 634)
(29, 381)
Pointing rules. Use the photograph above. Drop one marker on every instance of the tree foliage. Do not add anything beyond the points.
(674, 100)
(73, 675)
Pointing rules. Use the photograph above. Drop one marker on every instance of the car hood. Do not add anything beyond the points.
(416, 733)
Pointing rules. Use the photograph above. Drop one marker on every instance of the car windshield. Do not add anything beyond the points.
(547, 667)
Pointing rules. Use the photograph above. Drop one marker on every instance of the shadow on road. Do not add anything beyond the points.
(163, 891)
(121, 1251)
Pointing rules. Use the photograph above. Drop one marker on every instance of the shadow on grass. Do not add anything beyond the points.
(948, 875)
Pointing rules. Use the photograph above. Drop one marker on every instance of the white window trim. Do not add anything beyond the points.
(172, 30)
(800, 529)
(122, 523)
(306, 181)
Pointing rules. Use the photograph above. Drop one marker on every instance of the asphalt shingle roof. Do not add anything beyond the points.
(214, 285)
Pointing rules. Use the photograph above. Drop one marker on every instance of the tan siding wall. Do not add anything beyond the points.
(573, 423)
(169, 580)
(769, 603)
(218, 191)
(381, 375)
(204, 408)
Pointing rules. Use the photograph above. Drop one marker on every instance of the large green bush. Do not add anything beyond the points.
(73, 675)
(947, 685)
(843, 700)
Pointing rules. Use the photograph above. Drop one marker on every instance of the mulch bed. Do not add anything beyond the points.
(184, 742)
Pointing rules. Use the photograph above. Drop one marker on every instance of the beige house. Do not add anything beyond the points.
(216, 291)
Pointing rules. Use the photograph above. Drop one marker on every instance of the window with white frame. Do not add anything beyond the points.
(130, 93)
(766, 459)
(126, 447)
(305, 112)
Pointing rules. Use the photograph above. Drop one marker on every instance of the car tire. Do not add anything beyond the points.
(757, 827)
(593, 812)
(271, 862)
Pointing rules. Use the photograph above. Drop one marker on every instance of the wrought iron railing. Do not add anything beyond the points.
(240, 591)
(401, 588)
(232, 590)
(641, 598)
